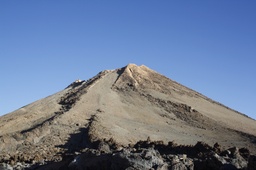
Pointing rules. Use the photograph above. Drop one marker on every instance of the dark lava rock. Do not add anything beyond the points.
(148, 155)
(252, 162)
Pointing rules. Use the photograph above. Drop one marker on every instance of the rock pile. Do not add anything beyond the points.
(146, 155)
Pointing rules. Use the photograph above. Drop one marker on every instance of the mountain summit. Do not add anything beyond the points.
(124, 106)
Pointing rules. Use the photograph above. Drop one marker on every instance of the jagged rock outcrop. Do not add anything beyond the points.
(147, 155)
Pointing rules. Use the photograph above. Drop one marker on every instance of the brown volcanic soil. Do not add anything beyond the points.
(125, 106)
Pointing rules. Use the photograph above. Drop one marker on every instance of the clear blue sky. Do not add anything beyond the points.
(209, 46)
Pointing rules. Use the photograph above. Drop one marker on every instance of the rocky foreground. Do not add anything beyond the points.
(107, 155)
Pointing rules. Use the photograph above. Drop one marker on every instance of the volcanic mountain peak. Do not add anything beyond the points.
(123, 105)
(133, 69)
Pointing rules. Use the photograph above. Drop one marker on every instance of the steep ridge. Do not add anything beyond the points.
(42, 129)
(121, 106)
(149, 83)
